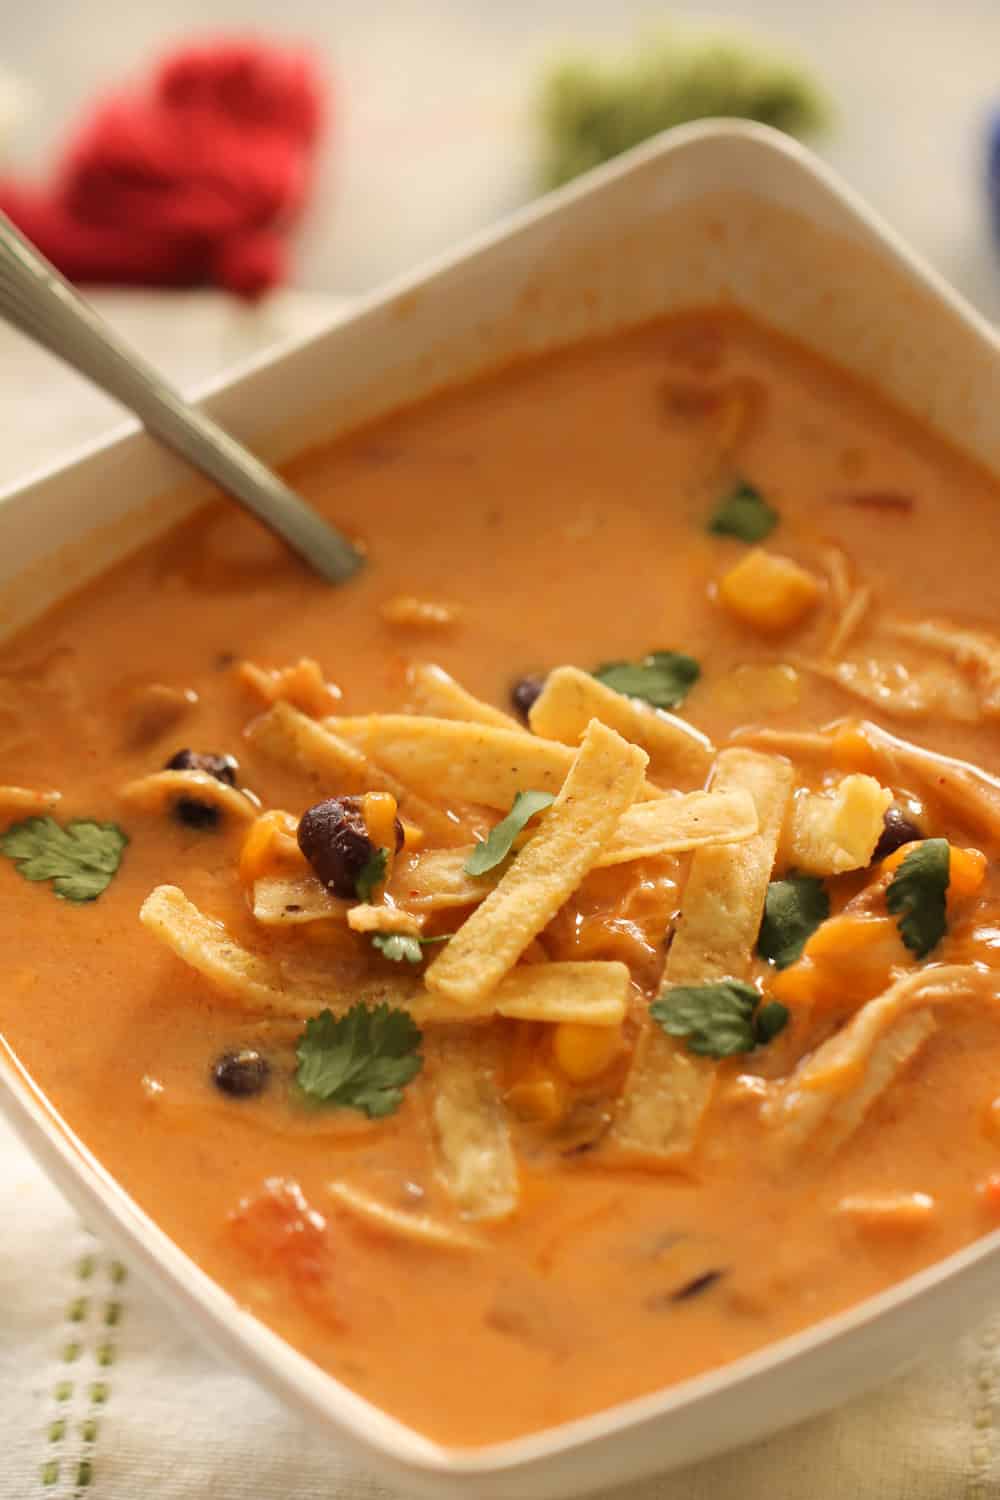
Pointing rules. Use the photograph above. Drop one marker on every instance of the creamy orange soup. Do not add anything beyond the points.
(684, 1072)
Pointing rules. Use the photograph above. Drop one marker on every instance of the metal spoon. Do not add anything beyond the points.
(42, 304)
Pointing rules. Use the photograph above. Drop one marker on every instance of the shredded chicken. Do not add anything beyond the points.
(897, 690)
(968, 792)
(972, 651)
(832, 1090)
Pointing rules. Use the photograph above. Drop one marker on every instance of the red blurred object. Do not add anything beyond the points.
(194, 178)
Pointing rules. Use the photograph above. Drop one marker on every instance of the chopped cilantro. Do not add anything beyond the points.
(372, 874)
(663, 678)
(794, 908)
(400, 945)
(80, 859)
(494, 850)
(744, 514)
(917, 895)
(362, 1061)
(718, 1020)
(769, 1020)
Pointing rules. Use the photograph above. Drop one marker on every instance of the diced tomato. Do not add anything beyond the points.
(989, 1192)
(285, 1237)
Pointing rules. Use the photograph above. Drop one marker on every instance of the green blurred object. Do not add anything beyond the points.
(591, 110)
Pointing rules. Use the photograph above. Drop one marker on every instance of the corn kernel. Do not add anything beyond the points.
(540, 1098)
(271, 841)
(798, 986)
(769, 592)
(379, 812)
(966, 870)
(851, 751)
(413, 837)
(585, 1052)
(966, 873)
(844, 934)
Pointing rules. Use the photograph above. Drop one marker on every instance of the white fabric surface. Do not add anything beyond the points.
(101, 1396)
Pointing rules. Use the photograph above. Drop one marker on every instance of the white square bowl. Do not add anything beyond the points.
(708, 214)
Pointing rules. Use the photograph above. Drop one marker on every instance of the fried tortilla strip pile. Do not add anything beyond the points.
(668, 1090)
(338, 768)
(831, 1091)
(476, 1160)
(605, 779)
(429, 880)
(571, 698)
(589, 993)
(435, 693)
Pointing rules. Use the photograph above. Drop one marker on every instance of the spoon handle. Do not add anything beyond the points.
(42, 304)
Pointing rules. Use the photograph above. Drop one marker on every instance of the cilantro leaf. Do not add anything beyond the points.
(718, 1020)
(793, 909)
(362, 1061)
(744, 514)
(372, 874)
(917, 895)
(493, 850)
(663, 678)
(400, 945)
(769, 1020)
(81, 859)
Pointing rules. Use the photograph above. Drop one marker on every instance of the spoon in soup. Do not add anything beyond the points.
(42, 304)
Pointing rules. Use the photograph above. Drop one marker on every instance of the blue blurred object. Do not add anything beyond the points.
(993, 174)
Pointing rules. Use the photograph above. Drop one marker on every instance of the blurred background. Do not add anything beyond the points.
(433, 128)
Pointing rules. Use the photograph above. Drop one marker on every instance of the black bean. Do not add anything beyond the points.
(898, 828)
(222, 767)
(334, 839)
(696, 1285)
(524, 693)
(192, 814)
(241, 1074)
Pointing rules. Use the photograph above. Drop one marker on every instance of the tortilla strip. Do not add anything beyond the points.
(161, 790)
(668, 1090)
(589, 993)
(401, 1223)
(476, 1160)
(832, 1090)
(724, 897)
(673, 825)
(606, 775)
(435, 692)
(458, 762)
(571, 698)
(339, 768)
(289, 901)
(24, 799)
(435, 880)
